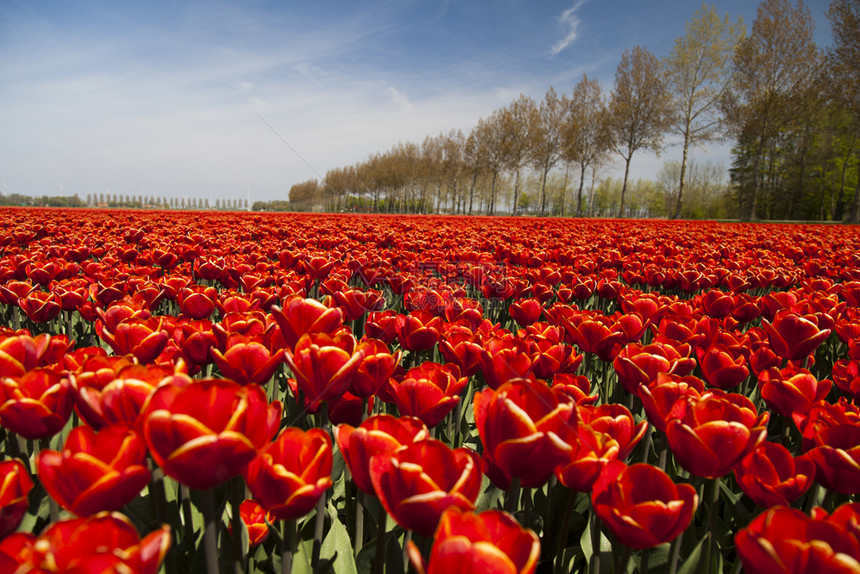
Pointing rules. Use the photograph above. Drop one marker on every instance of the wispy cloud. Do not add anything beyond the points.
(569, 21)
(399, 98)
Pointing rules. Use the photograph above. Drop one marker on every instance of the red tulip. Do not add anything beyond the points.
(548, 358)
(15, 486)
(505, 359)
(255, 518)
(464, 312)
(40, 307)
(523, 426)
(717, 304)
(195, 339)
(846, 374)
(615, 420)
(604, 434)
(203, 433)
(722, 367)
(21, 353)
(289, 475)
(641, 505)
(114, 390)
(95, 472)
(576, 387)
(247, 360)
(770, 476)
(462, 348)
(791, 391)
(716, 431)
(417, 331)
(197, 302)
(381, 325)
(324, 365)
(417, 483)
(377, 366)
(429, 391)
(375, 435)
(106, 542)
(837, 458)
(12, 291)
(143, 338)
(785, 539)
(301, 316)
(793, 336)
(354, 303)
(469, 543)
(639, 364)
(37, 404)
(593, 336)
(525, 311)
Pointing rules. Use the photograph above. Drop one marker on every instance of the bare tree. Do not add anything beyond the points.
(518, 122)
(639, 108)
(489, 136)
(698, 70)
(548, 138)
(586, 135)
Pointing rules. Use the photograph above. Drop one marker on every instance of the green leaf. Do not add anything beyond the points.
(691, 564)
(605, 550)
(337, 546)
(490, 497)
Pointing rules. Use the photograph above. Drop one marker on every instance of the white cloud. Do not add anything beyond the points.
(570, 22)
(399, 98)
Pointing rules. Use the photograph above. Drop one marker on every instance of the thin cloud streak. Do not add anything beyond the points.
(571, 22)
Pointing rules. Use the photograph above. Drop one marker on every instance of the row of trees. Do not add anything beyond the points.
(791, 108)
(152, 202)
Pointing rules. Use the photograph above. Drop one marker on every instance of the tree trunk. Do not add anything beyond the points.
(855, 206)
(472, 190)
(516, 190)
(751, 214)
(493, 194)
(582, 168)
(591, 192)
(564, 188)
(681, 184)
(624, 185)
(543, 191)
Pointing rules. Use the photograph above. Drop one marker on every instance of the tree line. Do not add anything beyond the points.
(791, 109)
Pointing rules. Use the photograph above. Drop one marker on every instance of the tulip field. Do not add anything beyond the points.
(237, 392)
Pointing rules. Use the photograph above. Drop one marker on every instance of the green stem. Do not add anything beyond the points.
(624, 561)
(318, 534)
(379, 559)
(561, 543)
(187, 515)
(736, 568)
(158, 500)
(643, 565)
(237, 492)
(406, 538)
(45, 444)
(512, 496)
(648, 440)
(712, 523)
(288, 532)
(812, 497)
(210, 535)
(674, 552)
(594, 565)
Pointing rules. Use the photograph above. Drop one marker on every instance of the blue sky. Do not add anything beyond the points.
(166, 98)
